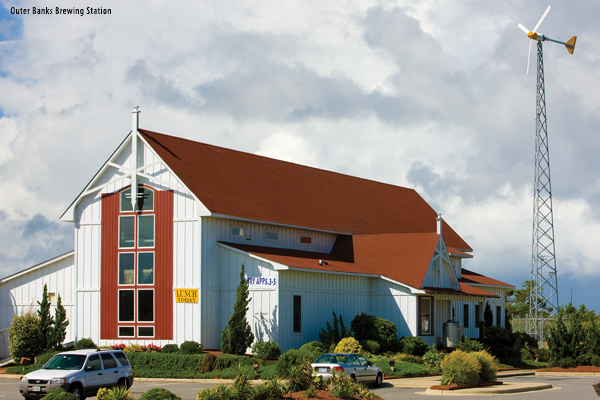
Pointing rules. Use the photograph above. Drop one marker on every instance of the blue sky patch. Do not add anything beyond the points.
(11, 26)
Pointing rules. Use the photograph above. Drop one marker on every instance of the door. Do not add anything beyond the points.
(93, 377)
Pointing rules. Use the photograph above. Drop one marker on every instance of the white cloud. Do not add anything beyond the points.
(8, 131)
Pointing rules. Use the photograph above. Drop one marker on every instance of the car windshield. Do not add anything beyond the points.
(332, 359)
(66, 361)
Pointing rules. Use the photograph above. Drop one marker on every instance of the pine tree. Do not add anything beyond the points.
(46, 321)
(60, 325)
(237, 335)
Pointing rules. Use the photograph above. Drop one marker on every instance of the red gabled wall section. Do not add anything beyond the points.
(109, 307)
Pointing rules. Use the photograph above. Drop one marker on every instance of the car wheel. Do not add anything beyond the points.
(353, 377)
(378, 380)
(122, 383)
(77, 391)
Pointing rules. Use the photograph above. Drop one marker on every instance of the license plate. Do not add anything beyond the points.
(36, 389)
(322, 369)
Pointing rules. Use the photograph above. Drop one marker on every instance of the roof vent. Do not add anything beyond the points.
(439, 224)
(321, 262)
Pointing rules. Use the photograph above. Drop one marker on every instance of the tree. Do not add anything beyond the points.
(237, 335)
(333, 335)
(23, 340)
(46, 321)
(518, 302)
(60, 325)
(488, 316)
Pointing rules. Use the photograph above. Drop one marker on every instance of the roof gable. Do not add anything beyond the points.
(243, 185)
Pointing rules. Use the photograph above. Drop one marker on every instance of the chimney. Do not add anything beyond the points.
(439, 224)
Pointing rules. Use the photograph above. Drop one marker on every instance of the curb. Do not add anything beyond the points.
(490, 390)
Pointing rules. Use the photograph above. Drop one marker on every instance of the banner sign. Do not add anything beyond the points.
(186, 295)
(261, 282)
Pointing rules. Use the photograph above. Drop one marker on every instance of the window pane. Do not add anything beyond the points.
(145, 199)
(476, 315)
(235, 231)
(126, 331)
(425, 315)
(108, 361)
(126, 200)
(145, 268)
(466, 315)
(305, 239)
(272, 236)
(126, 311)
(146, 305)
(93, 364)
(126, 268)
(146, 331)
(297, 314)
(146, 231)
(498, 316)
(126, 231)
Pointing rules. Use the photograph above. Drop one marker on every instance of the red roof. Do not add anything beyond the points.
(404, 258)
(248, 186)
(473, 278)
(464, 289)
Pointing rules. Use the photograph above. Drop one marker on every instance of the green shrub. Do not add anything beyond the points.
(433, 359)
(525, 354)
(266, 350)
(119, 393)
(289, 359)
(595, 360)
(237, 336)
(207, 394)
(371, 346)
(584, 359)
(310, 393)
(566, 362)
(489, 366)
(103, 394)
(267, 372)
(370, 327)
(209, 363)
(60, 394)
(401, 368)
(313, 350)
(300, 378)
(413, 345)
(542, 355)
(407, 358)
(497, 336)
(469, 345)
(170, 348)
(23, 338)
(42, 359)
(348, 345)
(460, 368)
(159, 394)
(191, 347)
(331, 335)
(85, 343)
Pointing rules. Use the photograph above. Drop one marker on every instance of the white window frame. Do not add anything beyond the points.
(137, 299)
(135, 211)
(267, 239)
(135, 234)
(241, 228)
(137, 265)
(143, 326)
(134, 306)
(305, 244)
(119, 331)
(137, 231)
(119, 269)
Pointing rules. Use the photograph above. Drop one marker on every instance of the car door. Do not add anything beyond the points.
(369, 373)
(111, 372)
(93, 376)
(356, 368)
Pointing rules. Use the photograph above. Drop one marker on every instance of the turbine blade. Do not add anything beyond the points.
(528, 57)
(541, 19)
(523, 28)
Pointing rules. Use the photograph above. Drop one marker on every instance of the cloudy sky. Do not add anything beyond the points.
(427, 94)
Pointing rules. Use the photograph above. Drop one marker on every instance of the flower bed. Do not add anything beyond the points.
(457, 387)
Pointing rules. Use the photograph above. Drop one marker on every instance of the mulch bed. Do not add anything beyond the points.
(456, 387)
(581, 368)
(321, 394)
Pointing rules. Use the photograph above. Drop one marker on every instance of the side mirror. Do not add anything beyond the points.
(89, 368)
(369, 363)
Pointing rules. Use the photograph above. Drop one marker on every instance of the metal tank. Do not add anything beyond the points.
(452, 333)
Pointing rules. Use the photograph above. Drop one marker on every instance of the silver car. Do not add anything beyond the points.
(81, 372)
(355, 365)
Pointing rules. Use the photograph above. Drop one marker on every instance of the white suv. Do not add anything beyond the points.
(81, 372)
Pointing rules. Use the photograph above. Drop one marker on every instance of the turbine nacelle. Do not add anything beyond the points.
(533, 35)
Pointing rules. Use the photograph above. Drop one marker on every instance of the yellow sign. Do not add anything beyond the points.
(186, 295)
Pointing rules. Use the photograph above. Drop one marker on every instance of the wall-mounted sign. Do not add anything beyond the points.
(186, 295)
(262, 282)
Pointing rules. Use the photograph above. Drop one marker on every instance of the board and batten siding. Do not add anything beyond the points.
(217, 276)
(321, 293)
(19, 293)
(186, 257)
(394, 303)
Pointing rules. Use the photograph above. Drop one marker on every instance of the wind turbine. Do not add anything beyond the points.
(544, 290)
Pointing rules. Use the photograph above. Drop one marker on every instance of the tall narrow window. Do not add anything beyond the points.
(465, 315)
(426, 316)
(477, 319)
(136, 265)
(498, 316)
(297, 314)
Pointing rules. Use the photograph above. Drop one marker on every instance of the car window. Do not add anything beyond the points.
(93, 363)
(122, 358)
(108, 361)
(332, 359)
(363, 361)
(354, 360)
(70, 362)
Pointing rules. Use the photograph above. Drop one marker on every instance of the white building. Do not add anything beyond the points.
(312, 242)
